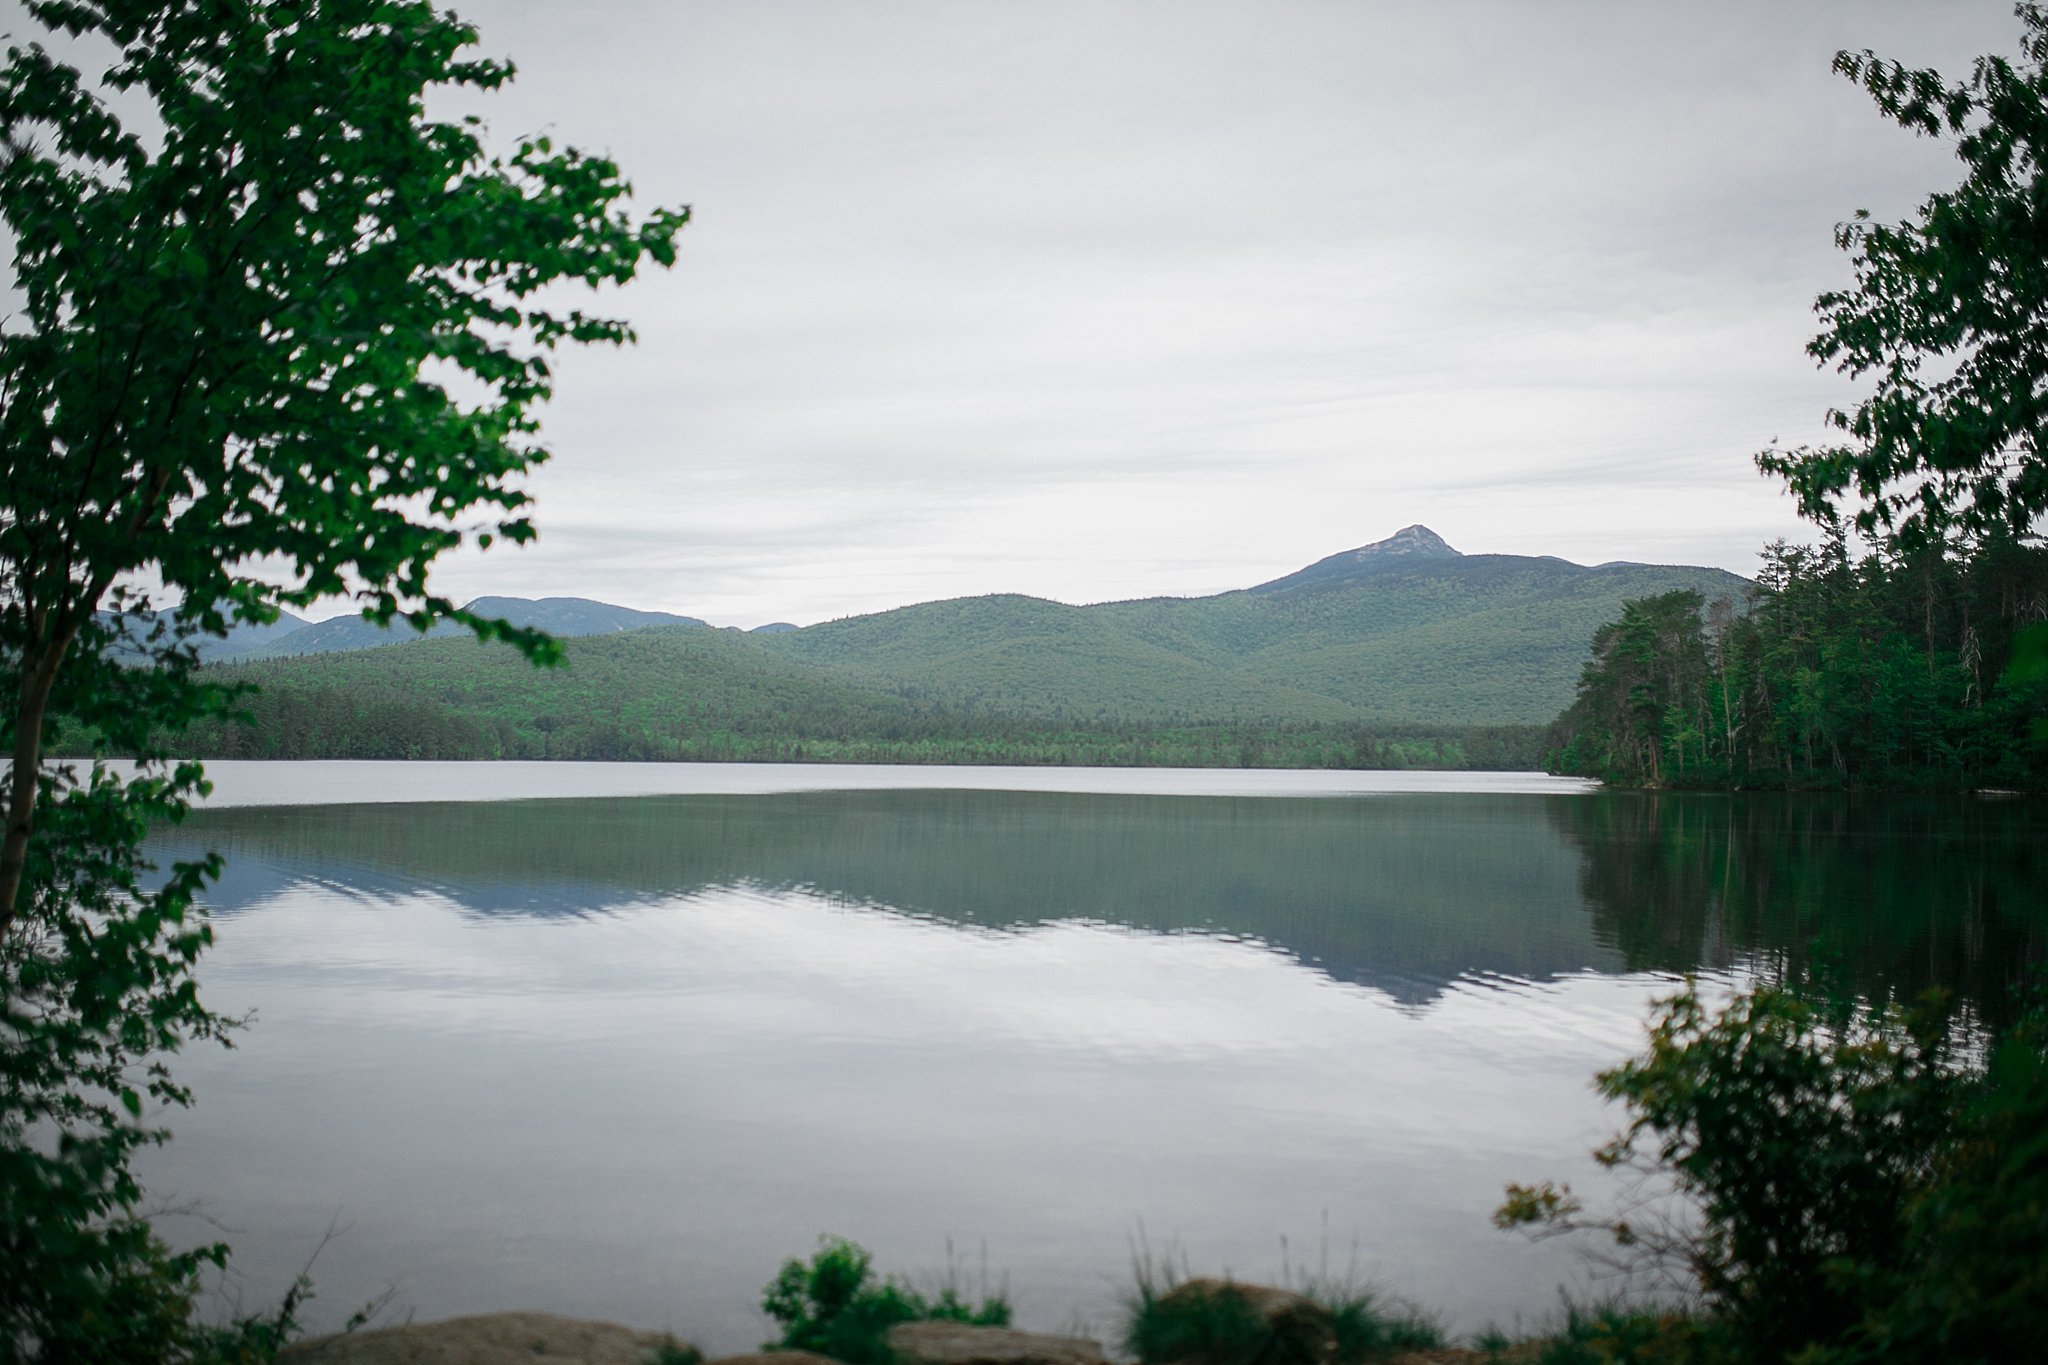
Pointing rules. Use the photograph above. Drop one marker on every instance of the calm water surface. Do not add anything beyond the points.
(617, 1055)
(241, 782)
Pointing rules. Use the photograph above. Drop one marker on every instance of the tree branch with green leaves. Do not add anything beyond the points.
(237, 367)
(284, 339)
(1948, 316)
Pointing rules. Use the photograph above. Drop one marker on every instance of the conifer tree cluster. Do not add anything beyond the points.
(1920, 662)
(1837, 672)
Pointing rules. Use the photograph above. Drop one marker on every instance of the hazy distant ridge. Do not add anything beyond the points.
(1402, 631)
(569, 617)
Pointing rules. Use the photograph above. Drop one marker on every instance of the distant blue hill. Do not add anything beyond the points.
(243, 640)
(564, 616)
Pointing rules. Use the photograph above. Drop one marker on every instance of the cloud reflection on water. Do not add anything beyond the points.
(618, 1057)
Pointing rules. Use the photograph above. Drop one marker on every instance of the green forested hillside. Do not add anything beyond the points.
(1376, 657)
(685, 693)
(454, 697)
(1025, 657)
(1452, 640)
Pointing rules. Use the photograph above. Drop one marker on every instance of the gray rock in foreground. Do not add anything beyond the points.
(491, 1339)
(957, 1343)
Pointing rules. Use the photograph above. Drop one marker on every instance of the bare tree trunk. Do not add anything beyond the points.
(38, 676)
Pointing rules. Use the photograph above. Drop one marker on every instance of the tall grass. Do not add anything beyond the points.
(1348, 1322)
(1613, 1332)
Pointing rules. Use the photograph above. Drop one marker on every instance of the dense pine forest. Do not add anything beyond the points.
(690, 694)
(1840, 672)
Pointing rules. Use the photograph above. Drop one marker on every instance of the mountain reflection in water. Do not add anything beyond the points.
(1404, 893)
(617, 1058)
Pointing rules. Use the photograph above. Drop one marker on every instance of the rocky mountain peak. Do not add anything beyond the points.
(1409, 541)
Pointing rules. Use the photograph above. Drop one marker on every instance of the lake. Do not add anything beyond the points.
(616, 1040)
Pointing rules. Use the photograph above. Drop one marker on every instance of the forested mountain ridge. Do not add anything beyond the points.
(1403, 653)
(1403, 631)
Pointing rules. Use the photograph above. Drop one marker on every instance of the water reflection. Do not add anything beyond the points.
(616, 1058)
(636, 1115)
(1886, 895)
(1403, 893)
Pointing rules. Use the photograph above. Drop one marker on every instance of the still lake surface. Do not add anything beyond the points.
(613, 1040)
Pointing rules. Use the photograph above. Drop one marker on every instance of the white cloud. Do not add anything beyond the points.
(1094, 300)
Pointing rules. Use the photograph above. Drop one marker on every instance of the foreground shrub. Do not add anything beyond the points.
(669, 1351)
(1866, 1187)
(96, 991)
(836, 1305)
(1368, 1326)
(1619, 1334)
(1971, 1282)
(1219, 1322)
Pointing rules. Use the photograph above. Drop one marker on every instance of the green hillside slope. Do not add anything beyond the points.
(686, 693)
(1441, 639)
(1026, 657)
(615, 696)
(1387, 655)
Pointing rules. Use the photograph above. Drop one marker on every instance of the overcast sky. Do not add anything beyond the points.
(1102, 300)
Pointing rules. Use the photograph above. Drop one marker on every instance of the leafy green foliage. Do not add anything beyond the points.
(1949, 312)
(1802, 1136)
(1880, 672)
(296, 269)
(275, 346)
(237, 363)
(836, 1306)
(1647, 667)
(1866, 1187)
(2029, 668)
(96, 989)
(1972, 1283)
(670, 1351)
(1618, 1334)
